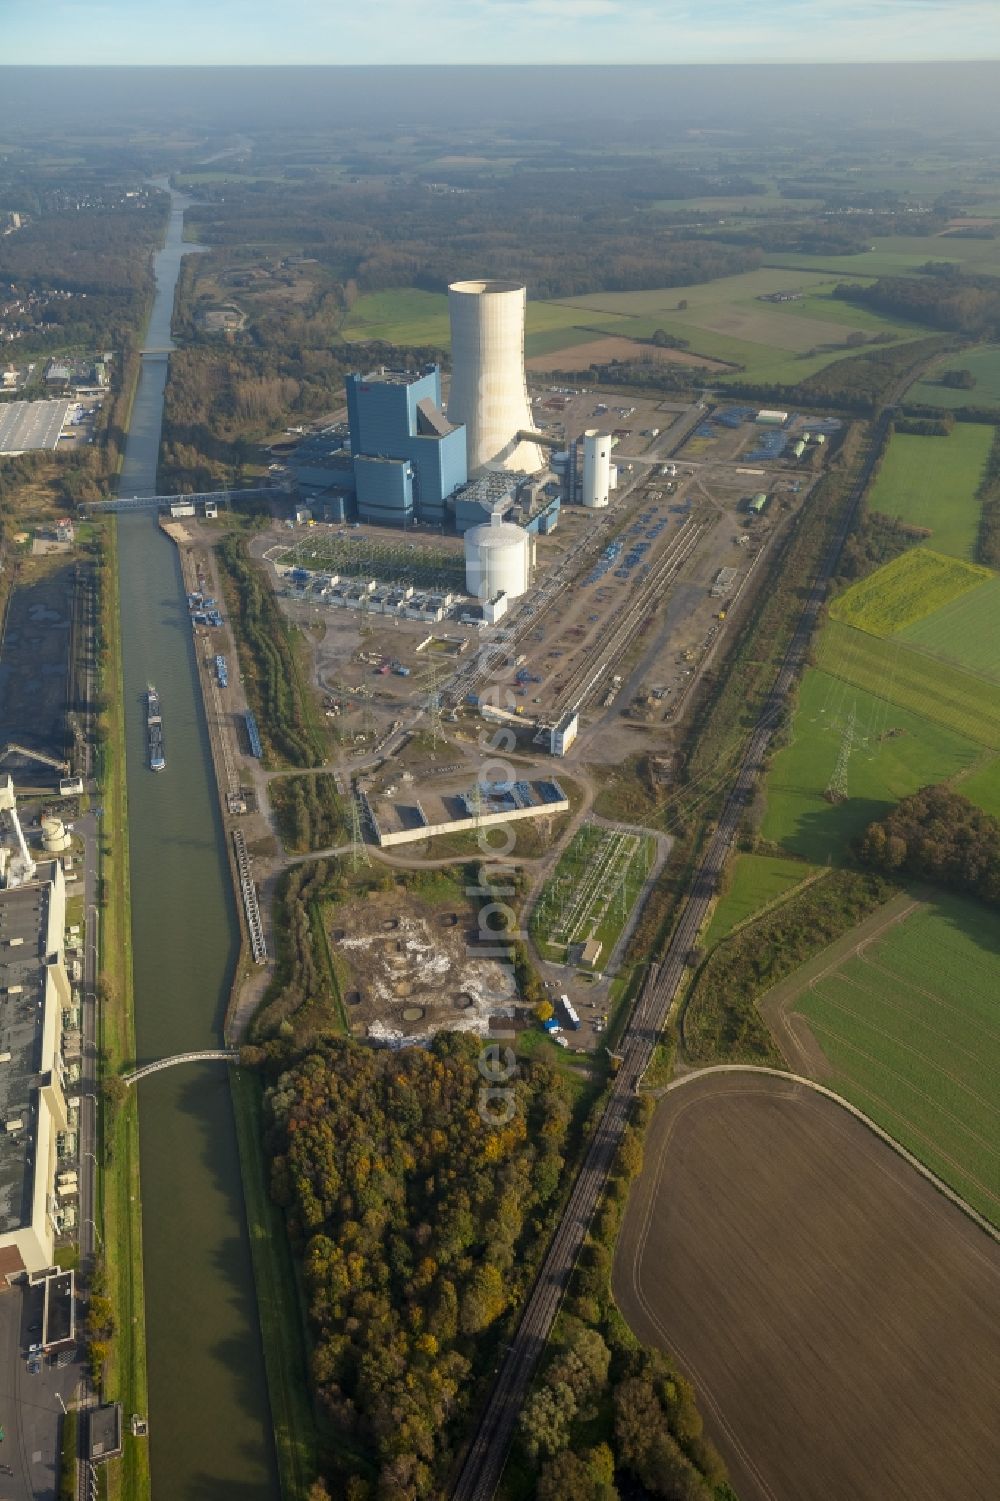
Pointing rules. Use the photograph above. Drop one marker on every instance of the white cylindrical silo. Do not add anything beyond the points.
(497, 560)
(596, 468)
(489, 393)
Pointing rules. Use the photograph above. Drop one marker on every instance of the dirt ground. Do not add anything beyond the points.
(836, 1314)
(601, 351)
(412, 968)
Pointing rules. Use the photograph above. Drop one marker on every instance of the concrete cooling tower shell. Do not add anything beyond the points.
(497, 560)
(596, 468)
(489, 393)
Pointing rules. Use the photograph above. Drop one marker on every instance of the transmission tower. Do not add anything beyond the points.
(433, 704)
(836, 789)
(365, 626)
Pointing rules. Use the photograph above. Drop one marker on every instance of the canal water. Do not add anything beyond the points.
(210, 1426)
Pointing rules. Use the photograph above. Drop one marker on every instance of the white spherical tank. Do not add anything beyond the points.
(596, 468)
(497, 560)
(489, 393)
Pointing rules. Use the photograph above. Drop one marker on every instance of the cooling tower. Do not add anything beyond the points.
(596, 468)
(488, 389)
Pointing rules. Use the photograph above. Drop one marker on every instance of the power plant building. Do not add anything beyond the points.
(408, 457)
(489, 392)
(596, 468)
(498, 560)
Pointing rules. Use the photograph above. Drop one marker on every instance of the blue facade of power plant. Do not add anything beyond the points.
(408, 458)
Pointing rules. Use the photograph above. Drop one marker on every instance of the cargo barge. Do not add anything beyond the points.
(154, 730)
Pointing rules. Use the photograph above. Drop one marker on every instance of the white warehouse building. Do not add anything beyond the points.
(489, 392)
(498, 560)
(596, 468)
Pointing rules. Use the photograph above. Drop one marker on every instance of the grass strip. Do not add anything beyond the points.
(118, 1201)
(285, 1354)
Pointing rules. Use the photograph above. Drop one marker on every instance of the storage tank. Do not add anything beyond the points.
(54, 836)
(497, 560)
(596, 468)
(489, 393)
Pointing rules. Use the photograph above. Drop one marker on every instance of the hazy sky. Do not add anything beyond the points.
(496, 31)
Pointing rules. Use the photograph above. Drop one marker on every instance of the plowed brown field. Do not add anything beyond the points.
(838, 1316)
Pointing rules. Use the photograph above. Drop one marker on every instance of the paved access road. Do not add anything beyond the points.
(484, 1459)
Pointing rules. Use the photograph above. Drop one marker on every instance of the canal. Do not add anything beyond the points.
(210, 1426)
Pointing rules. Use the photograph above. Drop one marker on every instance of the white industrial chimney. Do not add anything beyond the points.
(489, 393)
(596, 468)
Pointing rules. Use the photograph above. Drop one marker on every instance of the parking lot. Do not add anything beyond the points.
(33, 1391)
(26, 426)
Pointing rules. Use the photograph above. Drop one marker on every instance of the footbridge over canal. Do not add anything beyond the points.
(205, 1055)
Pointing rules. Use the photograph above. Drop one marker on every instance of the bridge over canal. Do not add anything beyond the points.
(205, 1055)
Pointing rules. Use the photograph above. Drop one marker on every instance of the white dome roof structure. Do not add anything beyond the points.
(497, 560)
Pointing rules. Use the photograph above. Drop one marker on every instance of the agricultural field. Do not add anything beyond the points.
(407, 315)
(966, 631)
(894, 752)
(932, 483)
(899, 595)
(898, 255)
(985, 366)
(906, 678)
(724, 320)
(591, 892)
(982, 787)
(908, 1024)
(766, 1212)
(754, 882)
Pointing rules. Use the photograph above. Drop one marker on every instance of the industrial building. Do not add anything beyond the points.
(489, 391)
(408, 457)
(498, 560)
(34, 991)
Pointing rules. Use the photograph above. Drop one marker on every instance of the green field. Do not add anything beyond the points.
(910, 679)
(894, 752)
(754, 882)
(896, 598)
(406, 315)
(910, 1028)
(985, 366)
(932, 483)
(898, 255)
(592, 891)
(724, 320)
(966, 631)
(983, 787)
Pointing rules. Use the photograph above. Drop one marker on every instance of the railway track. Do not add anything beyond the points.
(483, 1463)
(589, 677)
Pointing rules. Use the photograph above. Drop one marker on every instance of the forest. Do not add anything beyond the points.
(942, 297)
(102, 255)
(938, 835)
(418, 1222)
(988, 541)
(561, 232)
